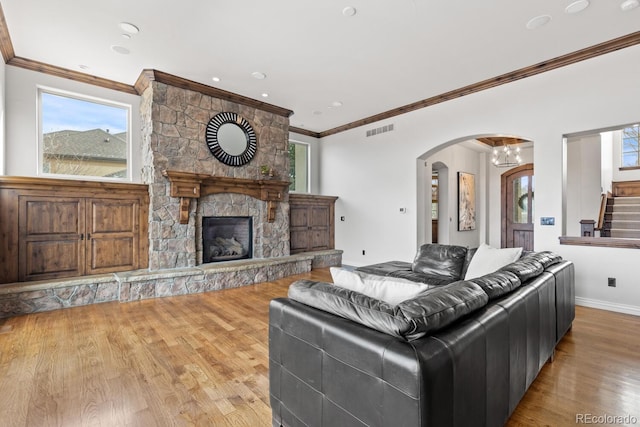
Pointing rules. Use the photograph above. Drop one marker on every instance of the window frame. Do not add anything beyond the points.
(636, 151)
(85, 98)
(308, 164)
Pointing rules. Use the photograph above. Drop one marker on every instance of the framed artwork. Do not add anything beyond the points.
(466, 201)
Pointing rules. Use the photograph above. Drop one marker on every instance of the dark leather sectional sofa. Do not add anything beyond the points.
(462, 353)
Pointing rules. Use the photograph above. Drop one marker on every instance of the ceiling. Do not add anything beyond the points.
(330, 68)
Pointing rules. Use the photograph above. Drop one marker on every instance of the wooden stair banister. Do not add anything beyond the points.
(603, 208)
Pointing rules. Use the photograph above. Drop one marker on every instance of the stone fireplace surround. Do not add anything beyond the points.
(174, 115)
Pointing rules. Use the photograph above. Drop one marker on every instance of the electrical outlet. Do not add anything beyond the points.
(342, 218)
(611, 281)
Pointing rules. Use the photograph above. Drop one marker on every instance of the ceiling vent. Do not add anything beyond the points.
(378, 131)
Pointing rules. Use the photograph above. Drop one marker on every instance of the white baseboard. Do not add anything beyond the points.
(610, 306)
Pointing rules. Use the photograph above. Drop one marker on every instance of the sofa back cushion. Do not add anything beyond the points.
(440, 260)
(498, 283)
(428, 312)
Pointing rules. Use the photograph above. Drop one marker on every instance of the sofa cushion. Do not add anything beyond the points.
(546, 258)
(402, 270)
(467, 260)
(428, 312)
(440, 260)
(388, 289)
(487, 260)
(498, 283)
(525, 268)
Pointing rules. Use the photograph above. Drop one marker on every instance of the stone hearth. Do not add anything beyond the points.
(32, 297)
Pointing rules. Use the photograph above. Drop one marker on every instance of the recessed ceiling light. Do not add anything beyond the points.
(265, 95)
(538, 21)
(83, 67)
(577, 6)
(628, 5)
(349, 11)
(129, 28)
(335, 104)
(126, 36)
(258, 75)
(215, 79)
(120, 49)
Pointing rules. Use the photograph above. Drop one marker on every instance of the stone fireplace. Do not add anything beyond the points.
(175, 116)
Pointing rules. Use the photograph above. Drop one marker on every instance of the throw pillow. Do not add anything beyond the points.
(487, 260)
(387, 289)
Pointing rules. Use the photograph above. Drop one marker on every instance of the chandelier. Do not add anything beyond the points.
(506, 157)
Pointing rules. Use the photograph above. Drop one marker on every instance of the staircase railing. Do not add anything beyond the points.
(603, 208)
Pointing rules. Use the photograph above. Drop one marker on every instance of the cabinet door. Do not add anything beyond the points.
(51, 232)
(112, 239)
(299, 229)
(319, 225)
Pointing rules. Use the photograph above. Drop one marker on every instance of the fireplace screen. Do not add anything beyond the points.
(226, 238)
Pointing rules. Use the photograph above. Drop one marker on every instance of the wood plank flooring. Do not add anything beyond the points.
(202, 360)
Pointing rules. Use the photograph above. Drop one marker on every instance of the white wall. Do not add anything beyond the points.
(606, 162)
(375, 176)
(21, 126)
(584, 182)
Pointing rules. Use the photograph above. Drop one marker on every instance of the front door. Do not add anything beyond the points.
(517, 207)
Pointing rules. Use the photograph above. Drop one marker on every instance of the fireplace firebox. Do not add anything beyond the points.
(226, 238)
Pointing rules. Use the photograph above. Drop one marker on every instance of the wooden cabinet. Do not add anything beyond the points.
(311, 222)
(56, 228)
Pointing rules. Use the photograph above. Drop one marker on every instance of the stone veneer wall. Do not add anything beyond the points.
(174, 121)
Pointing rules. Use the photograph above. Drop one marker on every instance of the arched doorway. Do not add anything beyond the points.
(469, 155)
(517, 190)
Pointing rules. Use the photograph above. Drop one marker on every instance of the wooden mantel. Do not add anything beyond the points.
(188, 185)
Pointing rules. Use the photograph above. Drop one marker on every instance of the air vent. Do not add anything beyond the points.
(378, 131)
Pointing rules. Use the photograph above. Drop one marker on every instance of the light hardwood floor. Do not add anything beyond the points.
(203, 360)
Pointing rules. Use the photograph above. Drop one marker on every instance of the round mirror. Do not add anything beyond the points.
(231, 139)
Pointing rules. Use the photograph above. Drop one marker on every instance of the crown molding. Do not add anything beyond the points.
(65, 73)
(304, 132)
(6, 46)
(541, 67)
(148, 75)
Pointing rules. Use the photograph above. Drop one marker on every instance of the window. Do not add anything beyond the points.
(630, 146)
(299, 167)
(81, 136)
(434, 195)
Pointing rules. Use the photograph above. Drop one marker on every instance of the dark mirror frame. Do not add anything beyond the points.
(213, 143)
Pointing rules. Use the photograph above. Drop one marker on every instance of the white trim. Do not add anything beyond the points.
(609, 306)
